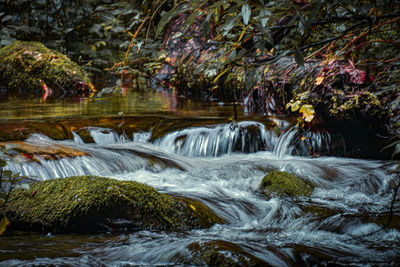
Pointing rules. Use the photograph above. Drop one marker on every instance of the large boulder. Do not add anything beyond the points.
(32, 68)
(279, 183)
(93, 204)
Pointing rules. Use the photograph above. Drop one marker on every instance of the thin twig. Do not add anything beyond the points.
(314, 44)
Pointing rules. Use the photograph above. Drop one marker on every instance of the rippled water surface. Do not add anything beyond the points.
(222, 165)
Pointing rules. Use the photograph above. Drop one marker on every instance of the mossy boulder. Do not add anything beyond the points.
(96, 204)
(285, 184)
(32, 68)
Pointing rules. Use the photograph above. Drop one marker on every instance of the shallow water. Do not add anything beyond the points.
(222, 166)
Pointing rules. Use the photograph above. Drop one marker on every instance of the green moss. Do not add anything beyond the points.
(285, 184)
(55, 131)
(25, 66)
(84, 133)
(88, 203)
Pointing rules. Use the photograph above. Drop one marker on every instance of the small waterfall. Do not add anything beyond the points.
(77, 138)
(245, 136)
(319, 143)
(102, 162)
(284, 144)
(142, 137)
(106, 136)
(307, 142)
(39, 139)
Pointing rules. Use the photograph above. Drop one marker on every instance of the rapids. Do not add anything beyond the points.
(222, 165)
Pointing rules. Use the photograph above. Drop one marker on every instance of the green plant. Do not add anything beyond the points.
(8, 180)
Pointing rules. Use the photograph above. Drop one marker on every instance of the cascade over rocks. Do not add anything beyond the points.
(97, 204)
(30, 68)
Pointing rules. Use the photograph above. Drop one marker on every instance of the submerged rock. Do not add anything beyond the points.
(221, 253)
(93, 204)
(285, 184)
(32, 68)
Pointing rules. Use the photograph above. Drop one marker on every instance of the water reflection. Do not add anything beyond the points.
(132, 103)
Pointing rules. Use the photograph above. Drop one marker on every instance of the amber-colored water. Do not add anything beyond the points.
(132, 103)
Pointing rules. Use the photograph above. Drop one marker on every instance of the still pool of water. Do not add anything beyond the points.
(221, 165)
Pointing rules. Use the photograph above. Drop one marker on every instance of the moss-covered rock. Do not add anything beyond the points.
(285, 184)
(88, 203)
(30, 68)
(84, 134)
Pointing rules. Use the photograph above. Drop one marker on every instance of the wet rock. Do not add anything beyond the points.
(222, 253)
(61, 129)
(32, 68)
(18, 131)
(96, 204)
(32, 151)
(285, 184)
(84, 134)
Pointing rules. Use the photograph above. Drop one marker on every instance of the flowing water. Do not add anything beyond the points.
(222, 165)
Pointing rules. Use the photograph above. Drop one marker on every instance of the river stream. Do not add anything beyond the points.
(221, 165)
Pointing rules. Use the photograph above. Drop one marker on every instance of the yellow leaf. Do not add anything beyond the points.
(101, 43)
(302, 83)
(192, 207)
(319, 80)
(294, 105)
(307, 112)
(4, 223)
(266, 70)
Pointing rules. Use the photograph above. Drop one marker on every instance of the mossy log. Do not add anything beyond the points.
(28, 68)
(285, 184)
(96, 204)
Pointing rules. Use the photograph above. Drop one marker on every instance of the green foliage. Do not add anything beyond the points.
(9, 179)
(94, 32)
(254, 33)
